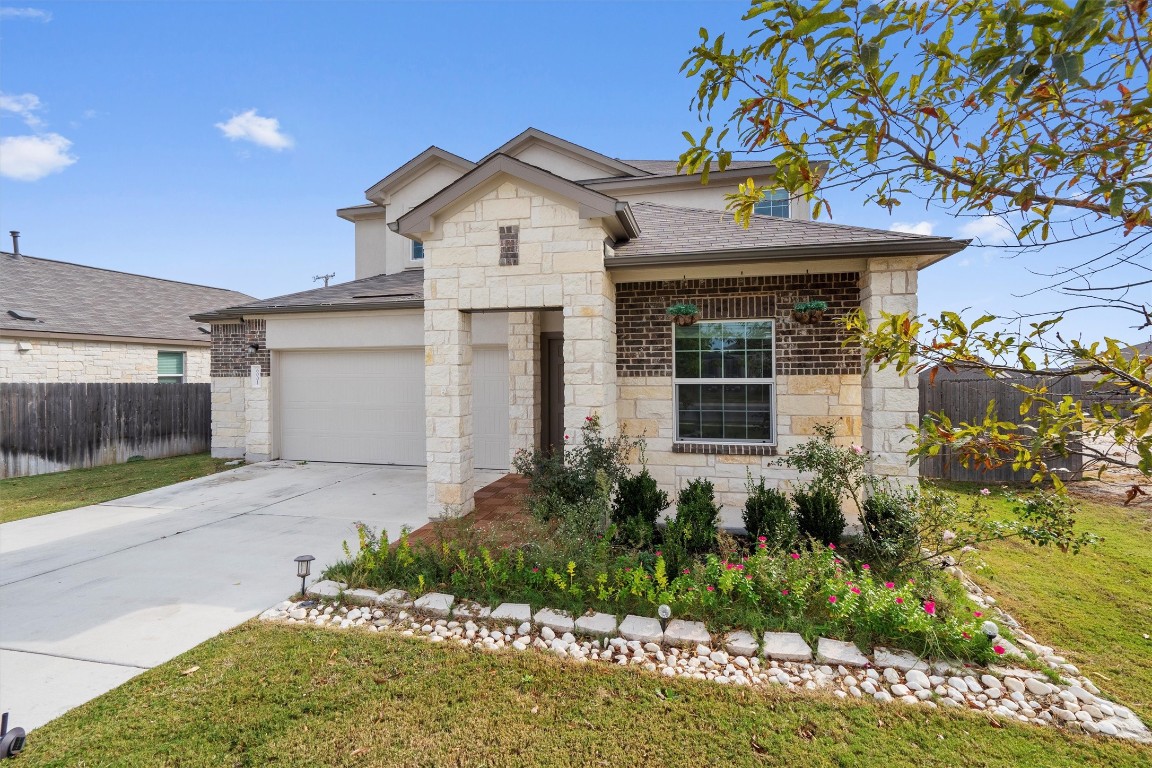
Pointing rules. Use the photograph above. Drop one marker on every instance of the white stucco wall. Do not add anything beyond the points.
(75, 360)
(381, 329)
(710, 197)
(561, 164)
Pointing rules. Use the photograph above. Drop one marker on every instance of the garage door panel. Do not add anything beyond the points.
(363, 406)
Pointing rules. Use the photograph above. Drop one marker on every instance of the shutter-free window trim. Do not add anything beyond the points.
(776, 202)
(170, 367)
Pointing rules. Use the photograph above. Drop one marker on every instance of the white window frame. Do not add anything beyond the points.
(169, 378)
(773, 198)
(770, 382)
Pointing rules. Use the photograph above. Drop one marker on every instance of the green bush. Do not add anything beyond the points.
(891, 523)
(697, 514)
(638, 504)
(767, 513)
(818, 514)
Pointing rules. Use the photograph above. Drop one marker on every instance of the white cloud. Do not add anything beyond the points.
(25, 13)
(248, 126)
(989, 230)
(28, 158)
(24, 106)
(914, 228)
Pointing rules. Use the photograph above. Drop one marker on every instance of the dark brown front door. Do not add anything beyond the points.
(552, 390)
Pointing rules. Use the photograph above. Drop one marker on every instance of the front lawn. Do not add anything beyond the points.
(270, 694)
(22, 497)
(1094, 606)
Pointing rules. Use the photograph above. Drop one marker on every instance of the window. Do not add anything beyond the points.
(417, 251)
(170, 367)
(723, 382)
(775, 203)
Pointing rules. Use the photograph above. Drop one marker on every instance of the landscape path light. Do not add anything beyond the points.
(303, 570)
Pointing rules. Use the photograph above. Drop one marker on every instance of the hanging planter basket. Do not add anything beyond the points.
(809, 312)
(684, 314)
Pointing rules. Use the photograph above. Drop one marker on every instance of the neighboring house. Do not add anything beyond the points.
(62, 322)
(498, 303)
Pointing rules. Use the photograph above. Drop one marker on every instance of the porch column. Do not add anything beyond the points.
(448, 410)
(524, 397)
(890, 401)
(590, 352)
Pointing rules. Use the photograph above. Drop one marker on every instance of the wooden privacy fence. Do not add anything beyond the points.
(965, 398)
(52, 427)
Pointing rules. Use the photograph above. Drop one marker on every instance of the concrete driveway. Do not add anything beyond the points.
(93, 596)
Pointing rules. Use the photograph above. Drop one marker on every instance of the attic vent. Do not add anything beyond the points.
(204, 329)
(21, 314)
(385, 296)
(510, 245)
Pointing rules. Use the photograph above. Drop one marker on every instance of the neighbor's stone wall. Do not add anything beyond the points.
(241, 413)
(52, 361)
(802, 402)
(560, 265)
(644, 332)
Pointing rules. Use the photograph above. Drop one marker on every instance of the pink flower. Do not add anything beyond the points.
(627, 570)
(866, 567)
(855, 590)
(711, 588)
(535, 570)
(587, 418)
(899, 601)
(985, 492)
(858, 450)
(739, 566)
(977, 614)
(890, 585)
(795, 556)
(930, 608)
(965, 635)
(784, 592)
(831, 546)
(761, 538)
(999, 650)
(832, 599)
(762, 545)
(659, 553)
(567, 437)
(685, 571)
(748, 576)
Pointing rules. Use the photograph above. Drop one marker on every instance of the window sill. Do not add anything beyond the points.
(726, 449)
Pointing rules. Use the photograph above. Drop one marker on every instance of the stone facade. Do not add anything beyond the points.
(524, 404)
(560, 266)
(241, 411)
(78, 360)
(644, 333)
(890, 401)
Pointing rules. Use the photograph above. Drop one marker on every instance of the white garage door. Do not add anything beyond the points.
(490, 407)
(367, 406)
(363, 406)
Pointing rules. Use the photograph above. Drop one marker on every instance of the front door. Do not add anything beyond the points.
(552, 390)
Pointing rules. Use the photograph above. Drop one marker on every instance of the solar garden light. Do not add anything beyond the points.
(11, 741)
(303, 569)
(665, 613)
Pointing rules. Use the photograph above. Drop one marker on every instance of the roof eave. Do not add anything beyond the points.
(239, 313)
(931, 255)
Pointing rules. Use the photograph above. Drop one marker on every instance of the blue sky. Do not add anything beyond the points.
(213, 141)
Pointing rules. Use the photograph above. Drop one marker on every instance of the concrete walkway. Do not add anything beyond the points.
(93, 596)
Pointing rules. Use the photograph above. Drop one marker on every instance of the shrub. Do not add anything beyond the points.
(891, 522)
(767, 513)
(696, 515)
(818, 514)
(637, 505)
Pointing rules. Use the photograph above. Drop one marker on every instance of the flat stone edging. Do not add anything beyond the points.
(684, 649)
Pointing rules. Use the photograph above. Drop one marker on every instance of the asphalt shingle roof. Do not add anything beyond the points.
(369, 293)
(667, 230)
(70, 298)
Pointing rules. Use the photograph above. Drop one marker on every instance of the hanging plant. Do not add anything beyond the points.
(809, 311)
(684, 313)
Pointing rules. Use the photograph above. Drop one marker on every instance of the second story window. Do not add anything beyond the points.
(775, 203)
(417, 251)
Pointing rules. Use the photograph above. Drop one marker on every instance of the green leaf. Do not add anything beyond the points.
(1068, 66)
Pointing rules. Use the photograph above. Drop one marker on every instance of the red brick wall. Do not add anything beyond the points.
(231, 355)
(644, 330)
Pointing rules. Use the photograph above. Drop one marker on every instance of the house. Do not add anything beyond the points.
(62, 322)
(499, 302)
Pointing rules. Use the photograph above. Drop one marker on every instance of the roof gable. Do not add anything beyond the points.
(534, 138)
(379, 192)
(616, 215)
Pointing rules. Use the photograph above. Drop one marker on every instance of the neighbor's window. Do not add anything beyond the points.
(417, 251)
(775, 203)
(170, 367)
(723, 381)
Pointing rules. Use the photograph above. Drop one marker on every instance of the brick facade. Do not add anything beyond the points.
(644, 333)
(231, 352)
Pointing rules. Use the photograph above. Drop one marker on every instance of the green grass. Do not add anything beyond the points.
(1095, 607)
(23, 497)
(286, 696)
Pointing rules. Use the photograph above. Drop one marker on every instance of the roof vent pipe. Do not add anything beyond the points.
(15, 242)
